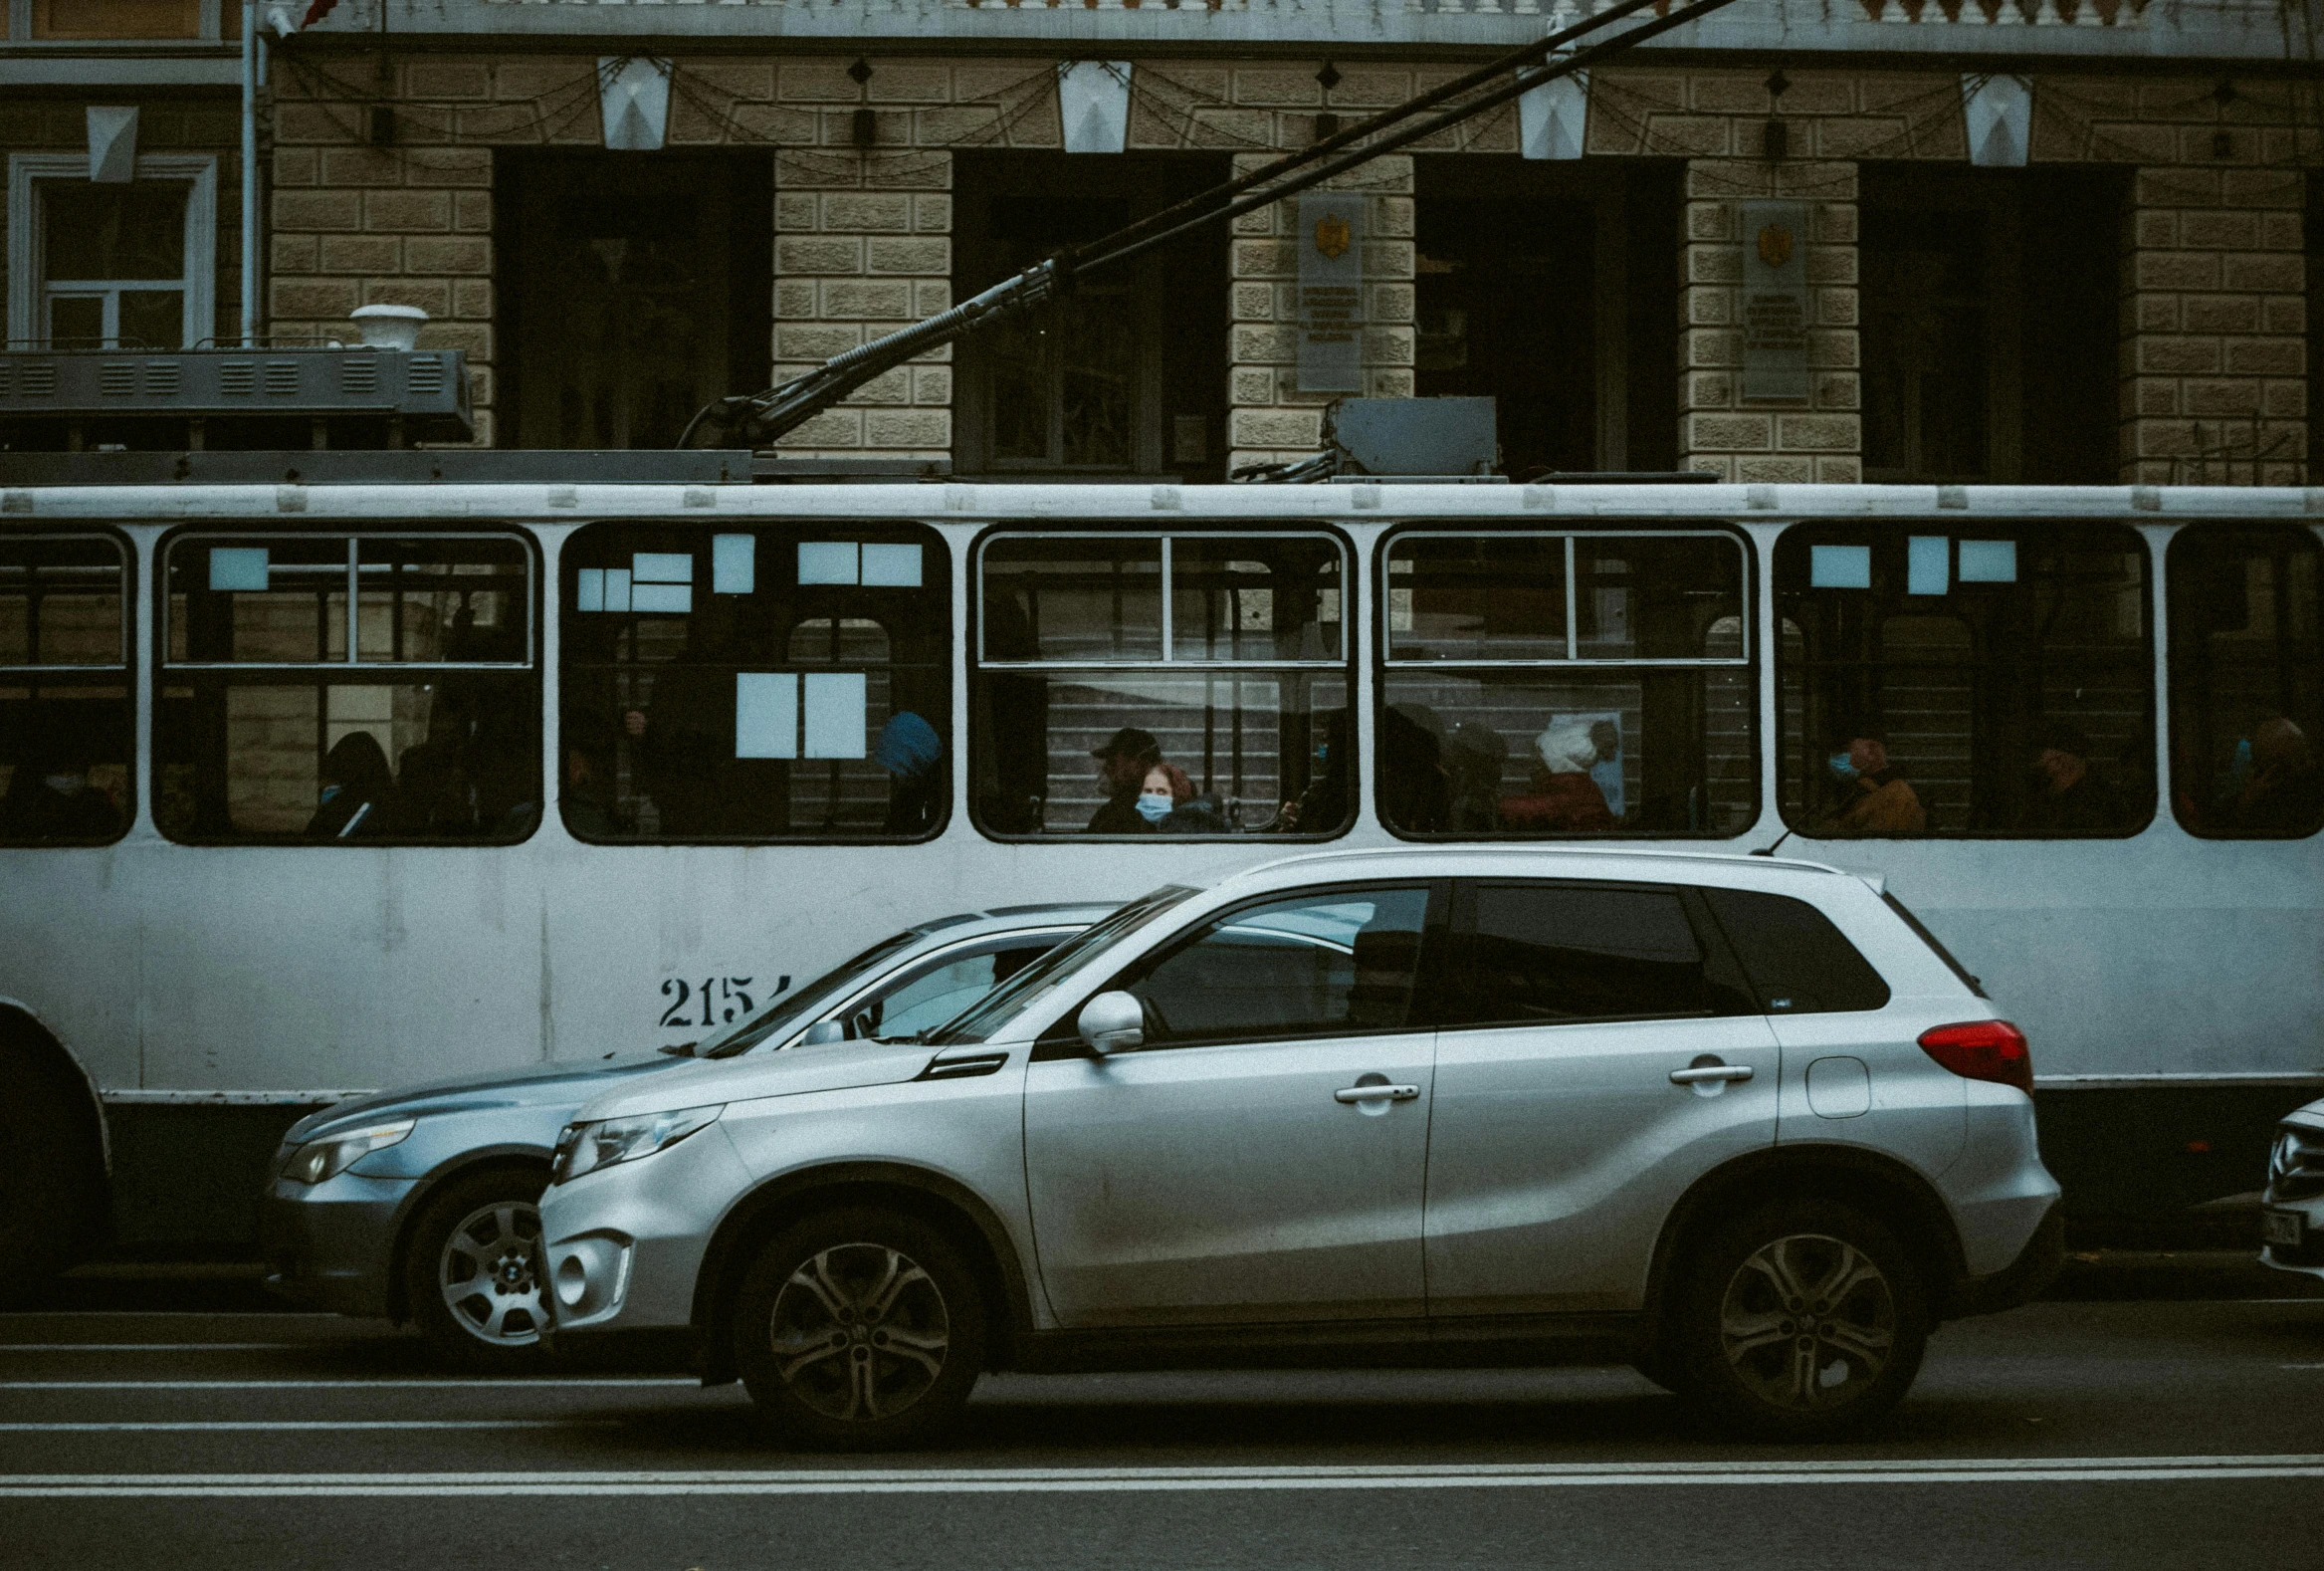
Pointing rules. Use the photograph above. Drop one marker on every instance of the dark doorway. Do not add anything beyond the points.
(634, 288)
(1553, 288)
(1989, 303)
(1126, 375)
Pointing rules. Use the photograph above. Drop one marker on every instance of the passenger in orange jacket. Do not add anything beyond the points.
(1875, 798)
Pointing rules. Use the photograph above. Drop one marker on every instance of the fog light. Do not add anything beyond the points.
(572, 1281)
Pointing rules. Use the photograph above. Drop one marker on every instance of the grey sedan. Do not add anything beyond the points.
(421, 1203)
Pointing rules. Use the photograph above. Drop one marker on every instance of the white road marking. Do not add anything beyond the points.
(1086, 1480)
(311, 1424)
(441, 1383)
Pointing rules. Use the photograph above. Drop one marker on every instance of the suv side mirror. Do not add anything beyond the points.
(823, 1031)
(1112, 1022)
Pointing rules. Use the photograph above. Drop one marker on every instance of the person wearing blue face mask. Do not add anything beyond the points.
(356, 786)
(1123, 764)
(1875, 798)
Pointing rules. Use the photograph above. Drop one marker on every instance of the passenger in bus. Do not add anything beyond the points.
(1474, 757)
(586, 811)
(1875, 798)
(1167, 800)
(2284, 791)
(1123, 760)
(1564, 798)
(1323, 805)
(50, 799)
(912, 755)
(2071, 797)
(1415, 794)
(357, 795)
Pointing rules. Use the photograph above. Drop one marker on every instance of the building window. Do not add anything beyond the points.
(127, 266)
(1126, 374)
(2247, 681)
(65, 728)
(1554, 685)
(1987, 681)
(634, 291)
(760, 684)
(125, 19)
(1142, 684)
(1989, 325)
(338, 689)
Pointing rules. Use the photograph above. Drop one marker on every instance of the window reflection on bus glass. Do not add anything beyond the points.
(65, 710)
(344, 689)
(1994, 680)
(2247, 681)
(1219, 661)
(772, 684)
(1559, 685)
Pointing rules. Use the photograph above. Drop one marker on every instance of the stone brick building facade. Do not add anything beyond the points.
(390, 173)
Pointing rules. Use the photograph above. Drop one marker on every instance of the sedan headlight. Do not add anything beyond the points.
(584, 1147)
(317, 1159)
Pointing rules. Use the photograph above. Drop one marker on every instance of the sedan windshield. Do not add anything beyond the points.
(1029, 986)
(782, 1014)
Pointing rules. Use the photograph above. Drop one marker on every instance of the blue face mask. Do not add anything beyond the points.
(328, 791)
(1155, 806)
(1843, 768)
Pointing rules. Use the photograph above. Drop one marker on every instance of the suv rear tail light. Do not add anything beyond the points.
(1992, 1051)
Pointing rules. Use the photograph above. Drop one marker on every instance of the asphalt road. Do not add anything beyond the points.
(2180, 1435)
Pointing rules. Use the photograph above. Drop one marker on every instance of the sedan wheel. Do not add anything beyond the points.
(489, 1274)
(859, 1330)
(473, 1269)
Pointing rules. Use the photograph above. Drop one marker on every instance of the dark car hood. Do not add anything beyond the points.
(568, 1082)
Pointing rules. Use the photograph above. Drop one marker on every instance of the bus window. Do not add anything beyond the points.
(1994, 680)
(64, 690)
(753, 684)
(2247, 681)
(1182, 684)
(1546, 685)
(372, 688)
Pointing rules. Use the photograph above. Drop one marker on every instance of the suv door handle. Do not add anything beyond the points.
(1375, 1093)
(1711, 1072)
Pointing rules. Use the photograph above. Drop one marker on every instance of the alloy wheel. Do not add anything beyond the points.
(858, 1332)
(1808, 1323)
(489, 1274)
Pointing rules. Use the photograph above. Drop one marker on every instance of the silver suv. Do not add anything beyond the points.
(1738, 1122)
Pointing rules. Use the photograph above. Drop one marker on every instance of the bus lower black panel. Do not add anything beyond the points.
(2147, 1156)
(191, 1175)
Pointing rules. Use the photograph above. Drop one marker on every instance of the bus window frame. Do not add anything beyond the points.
(1749, 662)
(374, 673)
(1974, 526)
(126, 666)
(804, 528)
(974, 663)
(2165, 767)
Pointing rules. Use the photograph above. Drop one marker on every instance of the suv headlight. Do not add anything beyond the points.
(317, 1159)
(584, 1147)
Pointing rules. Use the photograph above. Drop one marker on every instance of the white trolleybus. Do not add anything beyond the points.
(307, 789)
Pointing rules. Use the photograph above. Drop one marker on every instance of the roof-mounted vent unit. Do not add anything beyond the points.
(381, 393)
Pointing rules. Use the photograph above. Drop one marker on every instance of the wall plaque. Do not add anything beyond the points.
(1775, 302)
(1331, 292)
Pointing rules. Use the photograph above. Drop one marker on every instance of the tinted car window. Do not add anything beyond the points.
(933, 996)
(1536, 953)
(1798, 961)
(1317, 965)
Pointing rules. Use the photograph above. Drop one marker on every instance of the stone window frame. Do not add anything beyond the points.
(27, 288)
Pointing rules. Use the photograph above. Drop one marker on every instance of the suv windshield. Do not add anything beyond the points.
(779, 1015)
(1029, 986)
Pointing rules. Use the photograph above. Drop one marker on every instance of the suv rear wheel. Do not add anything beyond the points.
(1801, 1320)
(859, 1330)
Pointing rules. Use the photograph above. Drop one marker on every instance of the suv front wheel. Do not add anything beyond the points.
(859, 1330)
(1801, 1320)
